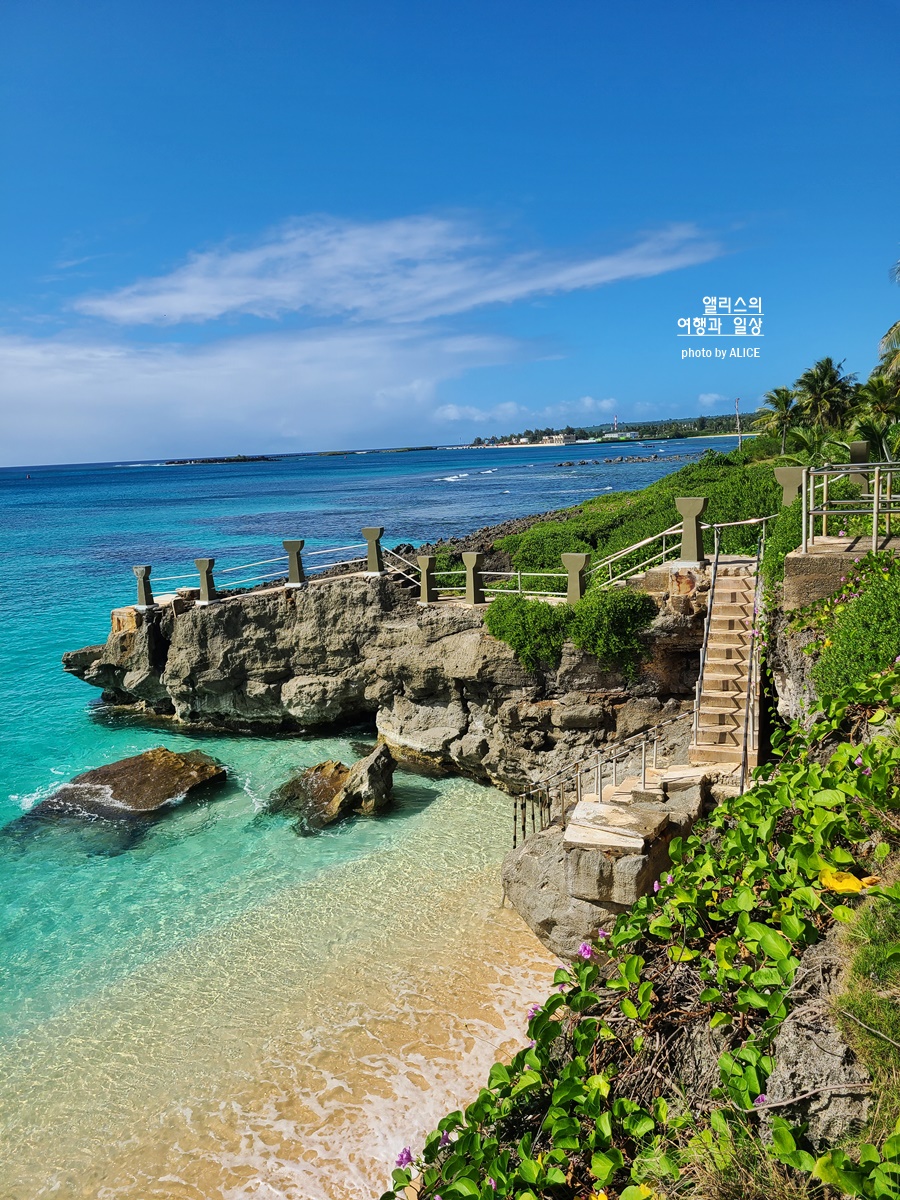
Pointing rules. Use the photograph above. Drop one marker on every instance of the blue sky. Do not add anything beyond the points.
(273, 225)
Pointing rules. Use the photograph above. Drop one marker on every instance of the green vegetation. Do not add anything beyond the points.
(607, 623)
(738, 489)
(593, 1106)
(868, 1012)
(536, 631)
(858, 626)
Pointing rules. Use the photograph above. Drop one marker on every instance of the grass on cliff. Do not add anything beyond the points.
(737, 488)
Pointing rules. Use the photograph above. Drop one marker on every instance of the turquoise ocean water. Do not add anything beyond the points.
(93, 925)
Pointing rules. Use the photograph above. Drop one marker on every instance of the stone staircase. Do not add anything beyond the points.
(727, 671)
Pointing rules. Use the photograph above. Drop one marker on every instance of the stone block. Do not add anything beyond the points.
(589, 874)
(809, 577)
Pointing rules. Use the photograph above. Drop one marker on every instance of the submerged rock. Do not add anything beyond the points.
(143, 783)
(329, 791)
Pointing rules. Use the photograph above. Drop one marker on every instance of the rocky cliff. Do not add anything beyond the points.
(438, 687)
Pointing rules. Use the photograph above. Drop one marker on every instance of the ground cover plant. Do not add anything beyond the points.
(595, 1105)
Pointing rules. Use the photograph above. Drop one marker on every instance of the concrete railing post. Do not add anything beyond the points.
(295, 562)
(426, 570)
(207, 584)
(576, 565)
(474, 560)
(691, 509)
(145, 591)
(374, 561)
(791, 480)
(859, 453)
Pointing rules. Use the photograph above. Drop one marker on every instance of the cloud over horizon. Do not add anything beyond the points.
(408, 269)
(365, 368)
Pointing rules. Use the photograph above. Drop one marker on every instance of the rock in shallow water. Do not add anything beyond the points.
(329, 791)
(141, 784)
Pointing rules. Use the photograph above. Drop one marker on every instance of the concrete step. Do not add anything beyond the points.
(714, 718)
(722, 681)
(725, 624)
(720, 736)
(720, 701)
(715, 754)
(728, 652)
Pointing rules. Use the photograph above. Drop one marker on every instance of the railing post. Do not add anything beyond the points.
(374, 560)
(859, 453)
(428, 592)
(825, 479)
(791, 480)
(296, 576)
(144, 590)
(876, 498)
(207, 584)
(691, 509)
(804, 485)
(576, 565)
(473, 560)
(644, 765)
(599, 776)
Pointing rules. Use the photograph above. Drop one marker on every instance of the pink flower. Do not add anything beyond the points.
(762, 1098)
(669, 878)
(535, 1008)
(655, 885)
(858, 760)
(404, 1158)
(585, 950)
(532, 1044)
(445, 1141)
(867, 770)
(601, 933)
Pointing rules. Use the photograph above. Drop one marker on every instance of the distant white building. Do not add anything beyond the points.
(560, 439)
(622, 435)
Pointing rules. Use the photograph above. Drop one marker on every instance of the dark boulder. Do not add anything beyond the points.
(329, 791)
(141, 784)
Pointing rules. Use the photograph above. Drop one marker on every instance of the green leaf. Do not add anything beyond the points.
(791, 926)
(774, 945)
(837, 1169)
(720, 1018)
(628, 1009)
(842, 913)
(878, 717)
(637, 1191)
(782, 1138)
(605, 1163)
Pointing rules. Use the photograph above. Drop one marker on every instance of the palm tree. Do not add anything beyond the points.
(824, 395)
(879, 396)
(890, 343)
(882, 433)
(811, 447)
(780, 420)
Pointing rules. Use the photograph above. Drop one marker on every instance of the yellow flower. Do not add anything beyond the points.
(839, 881)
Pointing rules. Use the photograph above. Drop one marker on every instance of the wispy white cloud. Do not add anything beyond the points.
(404, 270)
(713, 400)
(94, 401)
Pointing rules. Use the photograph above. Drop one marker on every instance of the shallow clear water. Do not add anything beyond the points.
(220, 1007)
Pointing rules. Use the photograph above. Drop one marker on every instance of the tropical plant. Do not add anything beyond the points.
(890, 343)
(825, 394)
(812, 447)
(882, 434)
(879, 396)
(782, 415)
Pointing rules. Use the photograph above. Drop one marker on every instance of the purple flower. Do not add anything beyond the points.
(867, 770)
(669, 878)
(493, 1182)
(585, 950)
(532, 1044)
(445, 1141)
(601, 934)
(762, 1098)
(404, 1158)
(858, 760)
(561, 987)
(655, 885)
(535, 1008)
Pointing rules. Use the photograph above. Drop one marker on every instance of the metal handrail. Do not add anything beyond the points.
(753, 673)
(706, 628)
(540, 799)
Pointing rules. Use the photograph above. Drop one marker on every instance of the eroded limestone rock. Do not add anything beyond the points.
(330, 790)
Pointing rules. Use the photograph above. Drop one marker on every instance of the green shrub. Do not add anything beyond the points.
(863, 633)
(539, 548)
(536, 631)
(608, 623)
(783, 535)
